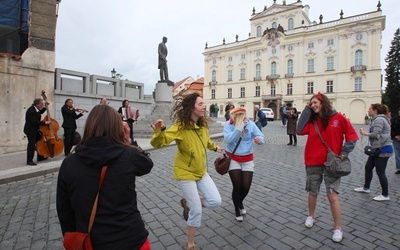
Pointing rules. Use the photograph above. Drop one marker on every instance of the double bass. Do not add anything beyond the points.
(50, 144)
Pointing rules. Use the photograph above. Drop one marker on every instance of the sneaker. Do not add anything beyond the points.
(381, 198)
(185, 209)
(397, 172)
(243, 211)
(337, 235)
(309, 221)
(239, 218)
(362, 190)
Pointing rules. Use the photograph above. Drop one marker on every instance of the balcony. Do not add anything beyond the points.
(257, 78)
(273, 77)
(213, 83)
(289, 75)
(358, 68)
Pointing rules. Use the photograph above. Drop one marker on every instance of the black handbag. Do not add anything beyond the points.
(335, 166)
(370, 151)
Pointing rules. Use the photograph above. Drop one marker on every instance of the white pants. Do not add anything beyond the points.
(191, 189)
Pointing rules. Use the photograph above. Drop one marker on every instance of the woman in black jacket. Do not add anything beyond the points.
(118, 223)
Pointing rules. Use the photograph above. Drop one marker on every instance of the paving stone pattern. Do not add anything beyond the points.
(276, 206)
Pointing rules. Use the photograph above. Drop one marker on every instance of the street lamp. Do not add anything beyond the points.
(113, 72)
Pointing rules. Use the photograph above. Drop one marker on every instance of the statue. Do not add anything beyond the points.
(162, 62)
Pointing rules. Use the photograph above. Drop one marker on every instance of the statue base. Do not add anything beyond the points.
(169, 83)
(163, 92)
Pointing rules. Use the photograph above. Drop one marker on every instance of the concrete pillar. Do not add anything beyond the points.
(163, 92)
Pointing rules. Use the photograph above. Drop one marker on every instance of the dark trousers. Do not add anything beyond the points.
(380, 163)
(30, 149)
(291, 138)
(130, 124)
(69, 136)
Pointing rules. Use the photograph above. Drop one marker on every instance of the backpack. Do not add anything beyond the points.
(262, 118)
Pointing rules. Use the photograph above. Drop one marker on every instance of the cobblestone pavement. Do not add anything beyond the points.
(276, 205)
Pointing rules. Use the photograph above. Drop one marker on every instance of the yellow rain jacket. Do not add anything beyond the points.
(190, 161)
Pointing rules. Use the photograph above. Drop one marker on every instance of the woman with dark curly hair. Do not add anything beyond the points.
(190, 132)
(335, 129)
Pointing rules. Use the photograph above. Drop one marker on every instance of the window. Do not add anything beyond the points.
(243, 56)
(274, 25)
(14, 26)
(329, 86)
(273, 51)
(230, 93)
(230, 75)
(258, 71)
(230, 59)
(242, 92)
(290, 48)
(289, 89)
(290, 67)
(242, 74)
(310, 65)
(214, 61)
(258, 53)
(273, 68)
(359, 58)
(310, 88)
(258, 31)
(329, 63)
(359, 37)
(290, 24)
(258, 91)
(358, 84)
(310, 45)
(273, 89)
(213, 94)
(214, 76)
(330, 42)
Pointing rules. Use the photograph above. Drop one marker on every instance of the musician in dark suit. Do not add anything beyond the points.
(32, 122)
(127, 117)
(69, 124)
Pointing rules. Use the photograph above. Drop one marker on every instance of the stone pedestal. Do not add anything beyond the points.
(163, 92)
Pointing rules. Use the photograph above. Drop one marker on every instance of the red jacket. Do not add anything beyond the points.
(338, 129)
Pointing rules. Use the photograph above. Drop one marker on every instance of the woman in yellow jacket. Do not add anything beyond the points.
(190, 132)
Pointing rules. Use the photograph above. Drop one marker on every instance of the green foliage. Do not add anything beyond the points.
(391, 97)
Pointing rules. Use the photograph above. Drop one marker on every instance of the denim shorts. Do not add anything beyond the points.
(315, 174)
(244, 166)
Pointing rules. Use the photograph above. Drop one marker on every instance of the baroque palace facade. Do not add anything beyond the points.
(287, 58)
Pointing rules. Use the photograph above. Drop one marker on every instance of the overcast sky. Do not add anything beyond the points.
(97, 36)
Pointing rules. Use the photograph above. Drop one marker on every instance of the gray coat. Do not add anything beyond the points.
(380, 132)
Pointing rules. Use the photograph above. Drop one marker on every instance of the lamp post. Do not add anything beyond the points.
(113, 73)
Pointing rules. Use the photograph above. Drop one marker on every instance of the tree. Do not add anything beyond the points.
(391, 96)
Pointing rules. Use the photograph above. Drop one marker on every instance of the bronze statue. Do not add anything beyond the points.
(162, 60)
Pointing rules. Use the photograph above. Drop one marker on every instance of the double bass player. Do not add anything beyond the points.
(31, 129)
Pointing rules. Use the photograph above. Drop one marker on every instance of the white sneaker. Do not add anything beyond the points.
(239, 218)
(309, 221)
(337, 235)
(381, 198)
(243, 211)
(362, 190)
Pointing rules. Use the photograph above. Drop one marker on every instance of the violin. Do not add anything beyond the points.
(81, 110)
(50, 144)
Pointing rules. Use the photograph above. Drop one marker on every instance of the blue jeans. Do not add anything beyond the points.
(259, 126)
(396, 147)
(208, 189)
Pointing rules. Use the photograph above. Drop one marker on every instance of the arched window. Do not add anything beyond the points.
(258, 71)
(214, 76)
(273, 68)
(359, 58)
(274, 25)
(258, 31)
(290, 24)
(290, 67)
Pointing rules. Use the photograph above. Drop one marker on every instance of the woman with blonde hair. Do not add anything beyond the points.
(379, 138)
(239, 134)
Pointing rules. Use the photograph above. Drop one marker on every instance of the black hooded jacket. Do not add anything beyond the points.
(118, 223)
